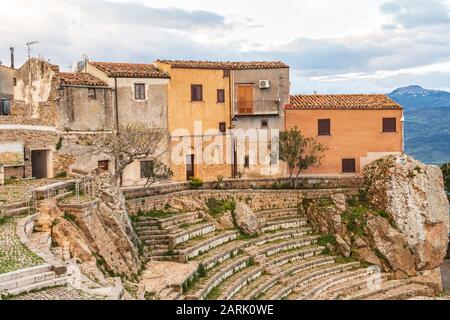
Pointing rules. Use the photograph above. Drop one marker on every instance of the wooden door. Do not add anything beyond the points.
(190, 166)
(245, 99)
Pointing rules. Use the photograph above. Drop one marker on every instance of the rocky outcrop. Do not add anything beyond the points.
(400, 221)
(413, 196)
(246, 219)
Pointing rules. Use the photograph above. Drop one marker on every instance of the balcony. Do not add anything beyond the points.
(257, 107)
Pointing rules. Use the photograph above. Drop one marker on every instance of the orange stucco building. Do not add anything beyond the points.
(357, 129)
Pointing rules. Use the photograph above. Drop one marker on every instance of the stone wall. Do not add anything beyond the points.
(257, 199)
(231, 184)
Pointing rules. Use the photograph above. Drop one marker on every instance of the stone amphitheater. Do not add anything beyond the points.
(228, 240)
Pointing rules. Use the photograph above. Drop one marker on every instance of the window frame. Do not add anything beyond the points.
(221, 91)
(142, 175)
(264, 126)
(102, 167)
(193, 93)
(226, 73)
(92, 94)
(319, 127)
(387, 128)
(141, 91)
(247, 162)
(344, 167)
(3, 103)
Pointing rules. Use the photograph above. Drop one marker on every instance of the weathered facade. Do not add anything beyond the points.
(139, 95)
(357, 129)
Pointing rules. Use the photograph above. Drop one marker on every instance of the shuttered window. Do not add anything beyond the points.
(348, 165)
(5, 107)
(220, 95)
(246, 162)
(324, 127)
(92, 94)
(389, 125)
(196, 92)
(226, 73)
(103, 165)
(147, 168)
(139, 91)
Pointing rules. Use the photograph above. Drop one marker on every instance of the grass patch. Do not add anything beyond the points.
(160, 214)
(356, 219)
(217, 207)
(326, 239)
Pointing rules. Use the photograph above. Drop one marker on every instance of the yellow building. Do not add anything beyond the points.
(199, 118)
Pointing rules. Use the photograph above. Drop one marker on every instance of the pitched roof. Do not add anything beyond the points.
(218, 65)
(343, 101)
(130, 70)
(80, 78)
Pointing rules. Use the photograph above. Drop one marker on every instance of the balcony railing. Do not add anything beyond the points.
(255, 107)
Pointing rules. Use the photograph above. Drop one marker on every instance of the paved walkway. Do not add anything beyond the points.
(60, 293)
(13, 254)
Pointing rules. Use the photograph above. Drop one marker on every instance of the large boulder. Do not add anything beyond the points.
(413, 195)
(246, 219)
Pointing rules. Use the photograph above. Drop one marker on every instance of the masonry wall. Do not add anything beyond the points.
(78, 113)
(354, 134)
(6, 82)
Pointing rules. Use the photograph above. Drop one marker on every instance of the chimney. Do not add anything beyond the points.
(12, 57)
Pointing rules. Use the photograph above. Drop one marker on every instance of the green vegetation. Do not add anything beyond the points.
(59, 144)
(356, 219)
(326, 239)
(161, 214)
(325, 202)
(446, 174)
(195, 182)
(149, 295)
(70, 217)
(217, 207)
(213, 294)
(4, 220)
(62, 174)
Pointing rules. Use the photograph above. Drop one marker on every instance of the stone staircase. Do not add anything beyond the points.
(30, 279)
(283, 262)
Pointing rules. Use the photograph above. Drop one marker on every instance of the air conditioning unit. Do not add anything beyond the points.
(264, 84)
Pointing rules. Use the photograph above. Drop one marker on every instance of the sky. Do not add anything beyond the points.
(332, 46)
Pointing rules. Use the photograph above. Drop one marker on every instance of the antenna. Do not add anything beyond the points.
(29, 47)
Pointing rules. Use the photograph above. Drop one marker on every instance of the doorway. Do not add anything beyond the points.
(40, 160)
(190, 166)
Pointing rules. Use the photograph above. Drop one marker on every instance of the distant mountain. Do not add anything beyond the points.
(427, 122)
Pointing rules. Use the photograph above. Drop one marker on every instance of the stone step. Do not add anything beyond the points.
(404, 292)
(287, 285)
(39, 285)
(23, 273)
(140, 229)
(15, 205)
(366, 293)
(63, 195)
(273, 249)
(163, 258)
(316, 288)
(190, 233)
(348, 288)
(284, 224)
(276, 212)
(154, 247)
(25, 281)
(17, 211)
(175, 228)
(157, 241)
(154, 237)
(162, 252)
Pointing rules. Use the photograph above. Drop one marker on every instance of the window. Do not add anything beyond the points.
(147, 168)
(389, 125)
(196, 92)
(5, 107)
(324, 127)
(226, 73)
(273, 158)
(264, 124)
(103, 165)
(246, 162)
(91, 94)
(139, 91)
(222, 127)
(220, 95)
(14, 81)
(348, 165)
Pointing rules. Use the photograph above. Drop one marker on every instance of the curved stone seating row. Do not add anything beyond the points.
(273, 276)
(404, 292)
(273, 213)
(206, 245)
(288, 286)
(189, 233)
(225, 271)
(283, 224)
(288, 245)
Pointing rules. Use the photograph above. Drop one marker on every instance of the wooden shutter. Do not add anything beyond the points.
(389, 125)
(220, 95)
(324, 127)
(196, 92)
(348, 165)
(245, 99)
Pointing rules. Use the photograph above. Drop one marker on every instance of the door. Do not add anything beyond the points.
(190, 166)
(39, 163)
(245, 99)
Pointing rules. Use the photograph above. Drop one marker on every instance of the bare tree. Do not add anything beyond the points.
(132, 142)
(299, 152)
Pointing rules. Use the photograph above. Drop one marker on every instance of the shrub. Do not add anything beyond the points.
(195, 182)
(217, 207)
(355, 219)
(62, 174)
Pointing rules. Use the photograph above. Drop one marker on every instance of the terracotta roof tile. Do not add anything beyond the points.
(130, 70)
(343, 101)
(79, 78)
(218, 65)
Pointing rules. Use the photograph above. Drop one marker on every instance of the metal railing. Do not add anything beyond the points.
(30, 198)
(83, 186)
(262, 106)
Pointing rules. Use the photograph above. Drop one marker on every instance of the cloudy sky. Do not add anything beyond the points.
(332, 46)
